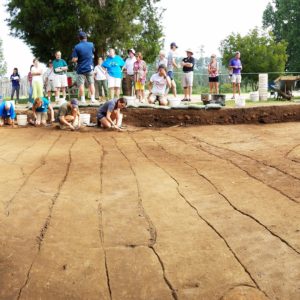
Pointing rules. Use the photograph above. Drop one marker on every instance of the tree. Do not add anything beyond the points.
(122, 24)
(260, 53)
(283, 16)
(3, 67)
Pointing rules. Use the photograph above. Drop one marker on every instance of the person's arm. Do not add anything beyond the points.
(64, 121)
(174, 63)
(34, 112)
(108, 114)
(150, 85)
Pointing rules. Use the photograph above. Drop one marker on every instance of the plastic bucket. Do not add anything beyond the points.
(130, 100)
(204, 97)
(85, 119)
(22, 120)
(240, 102)
(174, 102)
(254, 96)
(218, 99)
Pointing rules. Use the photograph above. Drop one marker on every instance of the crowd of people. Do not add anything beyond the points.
(108, 75)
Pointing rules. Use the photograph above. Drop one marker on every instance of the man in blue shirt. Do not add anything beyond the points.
(235, 66)
(7, 113)
(83, 55)
(114, 64)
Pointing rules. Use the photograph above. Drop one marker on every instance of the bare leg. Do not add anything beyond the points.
(239, 88)
(112, 92)
(117, 91)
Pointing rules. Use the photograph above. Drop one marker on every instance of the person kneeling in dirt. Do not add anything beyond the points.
(40, 111)
(68, 115)
(157, 86)
(109, 115)
(7, 113)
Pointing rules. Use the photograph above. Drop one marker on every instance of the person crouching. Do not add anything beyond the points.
(109, 115)
(7, 113)
(68, 115)
(40, 111)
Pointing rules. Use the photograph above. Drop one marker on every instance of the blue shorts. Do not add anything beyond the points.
(171, 75)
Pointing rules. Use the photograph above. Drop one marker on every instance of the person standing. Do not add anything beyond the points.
(235, 65)
(60, 68)
(83, 55)
(30, 89)
(114, 64)
(171, 65)
(129, 72)
(213, 75)
(101, 79)
(37, 79)
(140, 73)
(49, 80)
(15, 83)
(188, 74)
(162, 60)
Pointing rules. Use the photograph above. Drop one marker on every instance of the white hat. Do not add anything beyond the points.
(189, 50)
(131, 50)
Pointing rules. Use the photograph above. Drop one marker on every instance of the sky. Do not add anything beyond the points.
(189, 23)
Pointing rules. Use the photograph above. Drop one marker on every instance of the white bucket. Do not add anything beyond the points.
(254, 96)
(22, 120)
(85, 119)
(131, 100)
(240, 102)
(174, 102)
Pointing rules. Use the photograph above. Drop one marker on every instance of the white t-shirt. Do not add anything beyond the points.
(37, 78)
(159, 84)
(129, 65)
(100, 73)
(172, 55)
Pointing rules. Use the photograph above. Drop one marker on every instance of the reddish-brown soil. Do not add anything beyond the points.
(207, 212)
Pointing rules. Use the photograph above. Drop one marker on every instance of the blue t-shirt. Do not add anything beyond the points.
(44, 107)
(84, 51)
(15, 80)
(114, 66)
(236, 62)
(107, 106)
(7, 114)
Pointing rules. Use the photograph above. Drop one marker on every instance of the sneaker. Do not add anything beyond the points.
(184, 99)
(95, 102)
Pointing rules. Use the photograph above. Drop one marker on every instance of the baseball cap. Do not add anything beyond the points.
(173, 44)
(74, 102)
(131, 50)
(82, 34)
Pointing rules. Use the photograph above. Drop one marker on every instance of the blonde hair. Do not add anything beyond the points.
(37, 102)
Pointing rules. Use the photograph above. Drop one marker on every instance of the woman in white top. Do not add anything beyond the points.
(213, 75)
(101, 79)
(157, 86)
(162, 60)
(37, 79)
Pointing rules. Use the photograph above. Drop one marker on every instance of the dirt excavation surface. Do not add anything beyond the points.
(208, 212)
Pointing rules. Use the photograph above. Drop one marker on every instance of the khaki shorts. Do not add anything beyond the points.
(50, 86)
(41, 117)
(88, 76)
(236, 78)
(187, 79)
(156, 97)
(60, 81)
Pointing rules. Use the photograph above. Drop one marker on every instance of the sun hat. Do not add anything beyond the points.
(189, 50)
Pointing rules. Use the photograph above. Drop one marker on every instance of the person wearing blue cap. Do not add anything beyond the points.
(68, 115)
(171, 65)
(7, 113)
(83, 55)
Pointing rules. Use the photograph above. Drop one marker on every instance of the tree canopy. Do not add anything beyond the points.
(3, 66)
(47, 26)
(260, 53)
(283, 16)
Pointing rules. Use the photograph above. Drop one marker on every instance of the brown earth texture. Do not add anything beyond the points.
(198, 212)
